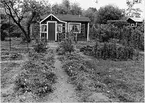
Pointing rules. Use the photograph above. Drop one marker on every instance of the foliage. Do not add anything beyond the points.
(6, 29)
(36, 79)
(91, 13)
(66, 45)
(40, 47)
(4, 34)
(87, 50)
(76, 9)
(61, 36)
(110, 51)
(124, 35)
(23, 13)
(131, 11)
(16, 56)
(108, 12)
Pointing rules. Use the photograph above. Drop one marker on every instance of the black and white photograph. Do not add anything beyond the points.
(72, 51)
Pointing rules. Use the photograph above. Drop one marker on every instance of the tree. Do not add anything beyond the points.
(132, 12)
(91, 13)
(22, 11)
(76, 9)
(58, 9)
(108, 12)
(66, 6)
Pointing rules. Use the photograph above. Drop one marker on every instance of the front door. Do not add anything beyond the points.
(51, 31)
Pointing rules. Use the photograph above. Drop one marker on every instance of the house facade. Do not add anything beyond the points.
(52, 26)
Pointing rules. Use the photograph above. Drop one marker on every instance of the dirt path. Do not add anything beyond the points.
(63, 92)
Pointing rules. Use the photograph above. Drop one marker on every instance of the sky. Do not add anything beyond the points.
(85, 4)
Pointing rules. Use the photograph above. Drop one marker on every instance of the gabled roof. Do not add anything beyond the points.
(72, 18)
(137, 19)
(69, 18)
(123, 20)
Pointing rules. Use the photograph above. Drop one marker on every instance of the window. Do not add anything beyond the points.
(59, 28)
(75, 27)
(44, 28)
(132, 25)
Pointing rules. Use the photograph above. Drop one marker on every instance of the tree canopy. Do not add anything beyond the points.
(109, 12)
(91, 13)
(23, 11)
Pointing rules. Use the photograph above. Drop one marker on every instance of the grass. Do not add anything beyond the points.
(121, 81)
(124, 79)
(37, 71)
(12, 56)
(7, 73)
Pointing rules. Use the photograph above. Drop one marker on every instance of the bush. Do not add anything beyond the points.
(61, 36)
(110, 51)
(3, 35)
(40, 47)
(67, 45)
(60, 51)
(87, 50)
(125, 35)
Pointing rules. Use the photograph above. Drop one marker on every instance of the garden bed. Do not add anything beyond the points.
(13, 56)
(121, 81)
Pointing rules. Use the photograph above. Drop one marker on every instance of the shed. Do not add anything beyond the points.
(52, 25)
(133, 22)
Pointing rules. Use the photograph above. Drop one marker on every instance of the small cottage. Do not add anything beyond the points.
(53, 25)
(133, 22)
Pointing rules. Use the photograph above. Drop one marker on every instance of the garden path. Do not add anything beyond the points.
(64, 91)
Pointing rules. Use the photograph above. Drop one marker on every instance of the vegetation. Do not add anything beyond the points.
(30, 11)
(36, 79)
(111, 51)
(40, 47)
(127, 36)
(67, 44)
(114, 78)
(111, 13)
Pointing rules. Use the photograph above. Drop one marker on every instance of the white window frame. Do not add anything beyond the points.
(71, 23)
(60, 29)
(41, 28)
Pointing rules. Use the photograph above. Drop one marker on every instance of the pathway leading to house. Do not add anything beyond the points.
(63, 92)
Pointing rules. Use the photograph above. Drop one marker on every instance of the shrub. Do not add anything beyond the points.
(60, 51)
(40, 47)
(87, 50)
(109, 51)
(125, 35)
(61, 36)
(67, 45)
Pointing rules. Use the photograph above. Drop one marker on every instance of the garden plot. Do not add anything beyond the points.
(81, 77)
(120, 81)
(31, 81)
(124, 79)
